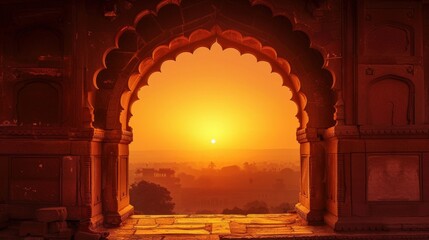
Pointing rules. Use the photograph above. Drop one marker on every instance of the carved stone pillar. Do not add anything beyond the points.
(116, 200)
(340, 141)
(311, 197)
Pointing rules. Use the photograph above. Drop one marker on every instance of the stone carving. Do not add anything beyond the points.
(39, 44)
(305, 179)
(389, 40)
(7, 123)
(38, 104)
(166, 21)
(393, 178)
(390, 102)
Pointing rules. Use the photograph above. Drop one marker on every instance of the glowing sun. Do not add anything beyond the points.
(213, 141)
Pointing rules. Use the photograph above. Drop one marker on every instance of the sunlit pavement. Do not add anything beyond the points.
(213, 226)
(252, 226)
(220, 226)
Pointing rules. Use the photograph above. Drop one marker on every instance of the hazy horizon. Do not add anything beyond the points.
(283, 157)
(213, 180)
(217, 149)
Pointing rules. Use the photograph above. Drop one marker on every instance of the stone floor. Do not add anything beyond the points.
(219, 226)
(213, 226)
(251, 226)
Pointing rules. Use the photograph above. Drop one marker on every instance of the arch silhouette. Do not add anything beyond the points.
(290, 54)
(162, 31)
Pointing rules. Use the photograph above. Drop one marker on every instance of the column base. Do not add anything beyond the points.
(312, 217)
(116, 218)
(97, 221)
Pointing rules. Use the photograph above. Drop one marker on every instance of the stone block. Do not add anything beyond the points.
(56, 227)
(393, 178)
(52, 214)
(33, 228)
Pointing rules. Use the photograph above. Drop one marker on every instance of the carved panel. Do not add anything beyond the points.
(35, 179)
(393, 178)
(331, 181)
(123, 176)
(390, 32)
(69, 180)
(389, 40)
(96, 182)
(38, 44)
(38, 104)
(389, 103)
(305, 173)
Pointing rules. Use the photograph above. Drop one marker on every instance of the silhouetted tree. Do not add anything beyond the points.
(283, 207)
(256, 207)
(205, 211)
(212, 165)
(150, 198)
(235, 210)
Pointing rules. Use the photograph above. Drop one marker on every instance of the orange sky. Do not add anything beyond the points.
(214, 94)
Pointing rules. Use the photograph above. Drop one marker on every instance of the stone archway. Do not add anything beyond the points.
(173, 27)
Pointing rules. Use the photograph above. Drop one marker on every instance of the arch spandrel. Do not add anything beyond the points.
(203, 38)
(304, 59)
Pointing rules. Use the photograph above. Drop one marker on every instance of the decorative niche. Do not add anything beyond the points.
(390, 39)
(390, 101)
(40, 46)
(38, 103)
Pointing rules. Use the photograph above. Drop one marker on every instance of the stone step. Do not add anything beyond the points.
(56, 227)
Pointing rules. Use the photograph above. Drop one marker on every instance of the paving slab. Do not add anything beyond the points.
(127, 226)
(183, 226)
(266, 225)
(165, 221)
(206, 215)
(196, 237)
(269, 231)
(200, 220)
(237, 228)
(227, 216)
(146, 226)
(221, 228)
(271, 215)
(255, 220)
(131, 221)
(158, 231)
(146, 221)
(158, 216)
(121, 232)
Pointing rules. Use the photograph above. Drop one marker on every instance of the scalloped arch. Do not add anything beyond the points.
(167, 2)
(304, 59)
(203, 38)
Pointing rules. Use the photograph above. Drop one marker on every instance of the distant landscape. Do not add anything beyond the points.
(265, 158)
(218, 181)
